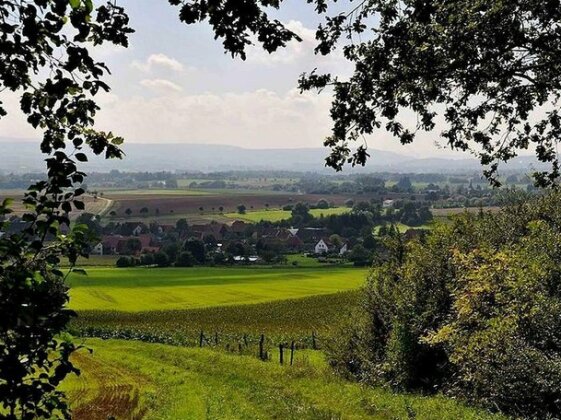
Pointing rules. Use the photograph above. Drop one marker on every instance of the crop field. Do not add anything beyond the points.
(185, 205)
(280, 320)
(278, 215)
(127, 379)
(93, 205)
(145, 289)
(118, 194)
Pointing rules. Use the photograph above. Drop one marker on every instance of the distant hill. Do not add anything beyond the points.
(20, 156)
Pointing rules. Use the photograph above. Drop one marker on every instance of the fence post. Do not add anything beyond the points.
(314, 344)
(291, 352)
(245, 340)
(216, 338)
(281, 348)
(261, 342)
(201, 339)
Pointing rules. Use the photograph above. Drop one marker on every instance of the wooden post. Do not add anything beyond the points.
(201, 339)
(281, 355)
(291, 352)
(314, 344)
(216, 338)
(261, 342)
(245, 340)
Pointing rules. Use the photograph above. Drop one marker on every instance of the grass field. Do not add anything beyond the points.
(144, 289)
(127, 379)
(278, 215)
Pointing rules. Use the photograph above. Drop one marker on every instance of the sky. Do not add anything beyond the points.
(175, 84)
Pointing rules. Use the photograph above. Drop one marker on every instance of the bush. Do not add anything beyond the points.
(474, 311)
(147, 259)
(123, 262)
(161, 259)
(185, 259)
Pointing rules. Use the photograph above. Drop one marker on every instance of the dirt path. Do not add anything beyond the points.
(106, 207)
(105, 390)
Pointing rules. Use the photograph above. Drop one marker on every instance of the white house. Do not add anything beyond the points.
(344, 249)
(321, 247)
(387, 204)
(97, 249)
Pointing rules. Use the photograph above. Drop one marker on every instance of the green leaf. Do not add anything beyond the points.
(75, 4)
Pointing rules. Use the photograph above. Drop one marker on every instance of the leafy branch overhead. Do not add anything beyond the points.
(486, 72)
(45, 59)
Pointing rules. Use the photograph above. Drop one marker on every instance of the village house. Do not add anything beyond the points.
(238, 228)
(97, 249)
(120, 245)
(387, 204)
(322, 247)
(216, 230)
(110, 243)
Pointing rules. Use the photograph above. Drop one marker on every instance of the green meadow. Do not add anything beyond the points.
(149, 289)
(278, 215)
(128, 379)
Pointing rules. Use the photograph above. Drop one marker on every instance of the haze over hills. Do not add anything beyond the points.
(20, 156)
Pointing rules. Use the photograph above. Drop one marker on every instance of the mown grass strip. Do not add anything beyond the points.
(182, 383)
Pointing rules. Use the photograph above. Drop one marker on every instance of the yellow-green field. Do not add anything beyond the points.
(278, 215)
(145, 289)
(127, 379)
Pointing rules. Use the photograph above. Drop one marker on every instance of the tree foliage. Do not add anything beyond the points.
(473, 310)
(44, 59)
(485, 71)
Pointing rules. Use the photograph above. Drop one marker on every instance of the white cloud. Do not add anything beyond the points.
(15, 123)
(254, 119)
(156, 61)
(257, 119)
(161, 85)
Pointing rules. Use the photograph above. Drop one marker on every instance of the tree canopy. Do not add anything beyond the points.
(44, 58)
(485, 72)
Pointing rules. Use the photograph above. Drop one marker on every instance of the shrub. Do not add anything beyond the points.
(161, 259)
(123, 262)
(147, 259)
(473, 310)
(185, 259)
